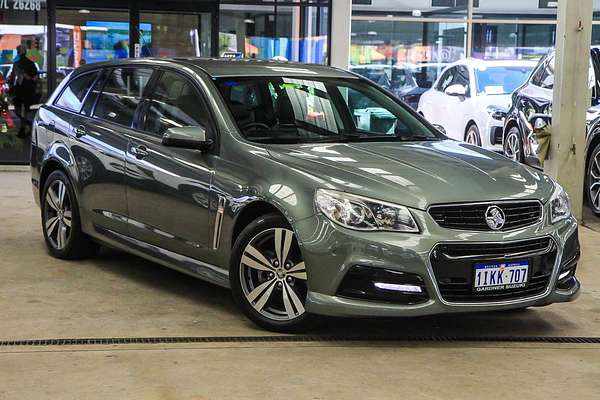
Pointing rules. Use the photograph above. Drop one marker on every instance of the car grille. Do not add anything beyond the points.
(472, 216)
(453, 266)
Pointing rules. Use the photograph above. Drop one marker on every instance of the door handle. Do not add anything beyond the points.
(139, 152)
(80, 131)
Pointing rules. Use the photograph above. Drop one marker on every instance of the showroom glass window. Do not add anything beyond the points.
(294, 32)
(175, 102)
(121, 95)
(25, 27)
(404, 45)
(172, 34)
(86, 36)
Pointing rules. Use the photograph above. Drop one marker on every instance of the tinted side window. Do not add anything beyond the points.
(121, 95)
(73, 95)
(175, 102)
(446, 79)
(93, 96)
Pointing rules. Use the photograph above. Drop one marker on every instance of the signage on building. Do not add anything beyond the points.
(232, 54)
(21, 5)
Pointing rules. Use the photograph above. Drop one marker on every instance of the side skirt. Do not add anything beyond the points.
(176, 261)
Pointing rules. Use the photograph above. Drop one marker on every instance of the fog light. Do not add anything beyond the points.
(398, 288)
(564, 275)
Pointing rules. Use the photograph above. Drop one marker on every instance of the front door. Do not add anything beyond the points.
(167, 187)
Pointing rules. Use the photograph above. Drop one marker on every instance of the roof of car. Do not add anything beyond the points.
(226, 67)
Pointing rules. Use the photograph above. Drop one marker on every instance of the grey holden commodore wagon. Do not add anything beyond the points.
(307, 190)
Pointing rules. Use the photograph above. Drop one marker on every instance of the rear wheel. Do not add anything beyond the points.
(593, 180)
(513, 145)
(472, 135)
(268, 277)
(60, 220)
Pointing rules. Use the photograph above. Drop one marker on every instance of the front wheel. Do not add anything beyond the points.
(593, 180)
(472, 135)
(513, 145)
(268, 277)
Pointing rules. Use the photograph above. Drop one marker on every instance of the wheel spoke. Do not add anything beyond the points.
(259, 261)
(596, 200)
(67, 219)
(298, 271)
(261, 294)
(61, 194)
(61, 238)
(51, 224)
(287, 303)
(295, 299)
(282, 249)
(52, 199)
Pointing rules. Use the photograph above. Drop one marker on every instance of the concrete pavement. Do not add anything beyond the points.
(117, 295)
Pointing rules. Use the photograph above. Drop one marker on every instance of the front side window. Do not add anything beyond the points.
(462, 78)
(74, 94)
(175, 102)
(301, 110)
(121, 95)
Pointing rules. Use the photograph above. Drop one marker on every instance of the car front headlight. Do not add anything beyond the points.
(364, 214)
(560, 205)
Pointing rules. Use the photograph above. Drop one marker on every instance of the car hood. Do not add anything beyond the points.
(497, 100)
(416, 174)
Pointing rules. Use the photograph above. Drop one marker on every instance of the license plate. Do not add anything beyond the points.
(500, 276)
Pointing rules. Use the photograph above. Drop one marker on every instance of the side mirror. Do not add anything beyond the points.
(456, 90)
(187, 137)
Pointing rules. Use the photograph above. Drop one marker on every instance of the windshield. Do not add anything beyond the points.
(501, 80)
(309, 110)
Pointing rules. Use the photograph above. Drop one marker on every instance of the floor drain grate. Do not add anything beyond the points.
(292, 338)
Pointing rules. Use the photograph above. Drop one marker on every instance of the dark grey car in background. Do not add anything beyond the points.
(305, 189)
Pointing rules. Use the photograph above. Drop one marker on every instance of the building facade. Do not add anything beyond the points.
(60, 35)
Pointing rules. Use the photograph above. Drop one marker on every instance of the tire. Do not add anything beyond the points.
(513, 145)
(269, 294)
(472, 135)
(61, 223)
(592, 180)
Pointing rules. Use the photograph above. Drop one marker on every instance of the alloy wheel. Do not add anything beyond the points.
(58, 215)
(512, 149)
(273, 275)
(594, 181)
(472, 136)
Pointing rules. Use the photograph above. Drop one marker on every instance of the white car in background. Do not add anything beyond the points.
(470, 98)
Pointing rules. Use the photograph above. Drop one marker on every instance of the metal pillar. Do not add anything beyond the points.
(341, 20)
(571, 99)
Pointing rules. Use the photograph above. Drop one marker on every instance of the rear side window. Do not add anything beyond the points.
(121, 95)
(72, 97)
(175, 103)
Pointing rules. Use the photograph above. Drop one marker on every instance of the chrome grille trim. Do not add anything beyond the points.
(471, 216)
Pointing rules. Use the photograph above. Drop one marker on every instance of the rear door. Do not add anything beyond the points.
(168, 187)
(100, 135)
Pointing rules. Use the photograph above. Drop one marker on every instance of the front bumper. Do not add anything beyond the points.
(331, 251)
